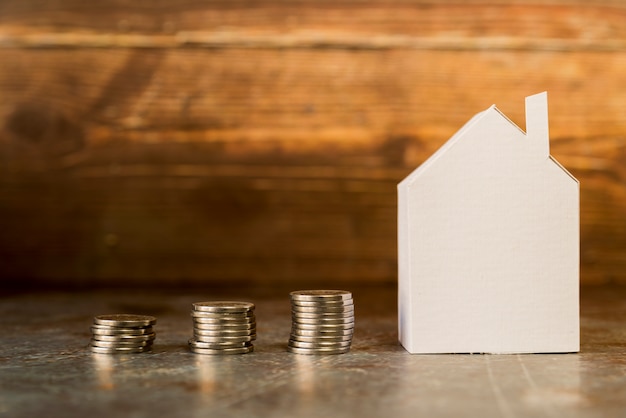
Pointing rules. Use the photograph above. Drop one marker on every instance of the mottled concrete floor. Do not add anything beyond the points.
(46, 369)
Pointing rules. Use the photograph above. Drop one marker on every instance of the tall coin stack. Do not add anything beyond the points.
(322, 322)
(223, 328)
(122, 333)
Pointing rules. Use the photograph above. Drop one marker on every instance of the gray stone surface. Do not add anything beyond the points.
(47, 370)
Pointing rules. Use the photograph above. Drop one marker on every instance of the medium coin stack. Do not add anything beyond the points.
(222, 327)
(122, 333)
(322, 322)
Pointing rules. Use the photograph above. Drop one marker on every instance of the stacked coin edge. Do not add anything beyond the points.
(322, 322)
(223, 327)
(122, 333)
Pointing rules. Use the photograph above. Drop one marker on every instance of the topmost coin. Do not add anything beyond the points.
(125, 320)
(321, 295)
(223, 306)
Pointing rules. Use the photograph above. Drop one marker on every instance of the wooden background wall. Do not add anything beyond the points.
(183, 142)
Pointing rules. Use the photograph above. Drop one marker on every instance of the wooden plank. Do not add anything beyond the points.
(211, 157)
(567, 19)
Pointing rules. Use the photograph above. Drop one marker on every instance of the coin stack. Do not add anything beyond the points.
(122, 333)
(322, 322)
(222, 327)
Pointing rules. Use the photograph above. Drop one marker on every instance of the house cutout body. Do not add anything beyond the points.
(488, 243)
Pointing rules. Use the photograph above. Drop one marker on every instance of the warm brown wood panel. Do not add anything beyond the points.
(552, 19)
(208, 141)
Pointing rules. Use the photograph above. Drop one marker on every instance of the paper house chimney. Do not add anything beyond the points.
(488, 242)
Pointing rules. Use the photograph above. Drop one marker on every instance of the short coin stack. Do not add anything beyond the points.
(322, 322)
(122, 333)
(222, 327)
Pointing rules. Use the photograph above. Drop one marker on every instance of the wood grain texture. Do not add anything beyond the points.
(161, 143)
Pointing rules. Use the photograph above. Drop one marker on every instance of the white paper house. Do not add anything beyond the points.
(488, 242)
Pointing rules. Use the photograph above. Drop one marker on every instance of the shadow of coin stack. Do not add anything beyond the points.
(122, 333)
(222, 327)
(322, 322)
